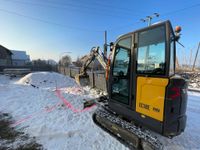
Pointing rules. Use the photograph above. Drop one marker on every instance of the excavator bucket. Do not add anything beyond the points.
(82, 80)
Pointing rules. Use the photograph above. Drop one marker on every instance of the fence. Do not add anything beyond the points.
(32, 68)
(96, 78)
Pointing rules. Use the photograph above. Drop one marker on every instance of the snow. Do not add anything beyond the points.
(58, 129)
(4, 80)
(193, 78)
(33, 102)
(47, 80)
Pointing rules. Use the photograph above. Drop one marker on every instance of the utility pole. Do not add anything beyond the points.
(196, 57)
(177, 63)
(105, 44)
(149, 18)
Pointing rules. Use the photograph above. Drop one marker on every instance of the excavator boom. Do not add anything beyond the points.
(83, 78)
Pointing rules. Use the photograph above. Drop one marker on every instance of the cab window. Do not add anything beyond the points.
(122, 56)
(151, 51)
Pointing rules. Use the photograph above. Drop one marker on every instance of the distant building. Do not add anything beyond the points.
(20, 58)
(5, 56)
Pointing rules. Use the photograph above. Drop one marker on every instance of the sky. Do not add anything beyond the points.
(49, 29)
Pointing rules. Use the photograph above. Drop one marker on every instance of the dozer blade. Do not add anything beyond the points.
(126, 132)
(82, 80)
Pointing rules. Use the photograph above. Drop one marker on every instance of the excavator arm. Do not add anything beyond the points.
(83, 77)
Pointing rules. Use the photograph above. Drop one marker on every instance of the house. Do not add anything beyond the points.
(20, 58)
(5, 56)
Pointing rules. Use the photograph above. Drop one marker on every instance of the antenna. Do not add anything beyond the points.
(149, 18)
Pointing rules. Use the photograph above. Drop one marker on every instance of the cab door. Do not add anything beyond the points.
(120, 72)
(151, 71)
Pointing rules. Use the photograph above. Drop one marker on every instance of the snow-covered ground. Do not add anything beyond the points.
(194, 80)
(37, 108)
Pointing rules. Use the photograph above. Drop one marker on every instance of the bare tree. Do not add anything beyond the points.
(78, 62)
(51, 62)
(39, 62)
(65, 61)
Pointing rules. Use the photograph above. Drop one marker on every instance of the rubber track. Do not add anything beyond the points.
(149, 142)
(112, 134)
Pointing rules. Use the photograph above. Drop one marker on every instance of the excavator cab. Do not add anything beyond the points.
(143, 87)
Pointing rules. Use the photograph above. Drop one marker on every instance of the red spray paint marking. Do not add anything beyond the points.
(52, 107)
(47, 110)
(69, 105)
(35, 114)
(21, 121)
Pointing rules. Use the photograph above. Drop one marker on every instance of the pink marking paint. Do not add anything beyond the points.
(47, 110)
(24, 119)
(69, 105)
(50, 109)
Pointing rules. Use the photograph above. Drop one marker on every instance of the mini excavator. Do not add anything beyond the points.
(145, 96)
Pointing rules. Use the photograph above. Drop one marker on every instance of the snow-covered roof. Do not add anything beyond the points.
(21, 55)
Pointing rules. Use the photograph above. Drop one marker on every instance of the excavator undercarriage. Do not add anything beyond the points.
(126, 132)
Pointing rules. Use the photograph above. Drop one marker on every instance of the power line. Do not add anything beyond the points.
(94, 3)
(85, 29)
(179, 10)
(124, 26)
(49, 22)
(81, 9)
(56, 7)
(161, 15)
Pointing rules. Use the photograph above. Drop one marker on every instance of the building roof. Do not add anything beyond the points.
(6, 49)
(20, 55)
